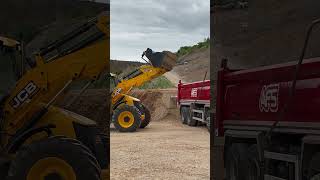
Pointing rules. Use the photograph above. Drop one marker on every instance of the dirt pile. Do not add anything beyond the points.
(92, 104)
(158, 101)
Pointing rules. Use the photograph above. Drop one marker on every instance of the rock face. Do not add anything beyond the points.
(277, 30)
(193, 67)
(267, 32)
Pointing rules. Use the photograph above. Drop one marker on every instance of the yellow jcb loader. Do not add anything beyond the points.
(128, 113)
(39, 141)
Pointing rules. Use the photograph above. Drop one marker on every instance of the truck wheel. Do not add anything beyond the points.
(183, 114)
(54, 158)
(253, 171)
(190, 121)
(126, 118)
(147, 117)
(234, 162)
(314, 167)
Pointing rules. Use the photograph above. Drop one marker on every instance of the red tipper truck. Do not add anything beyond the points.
(248, 104)
(269, 119)
(193, 100)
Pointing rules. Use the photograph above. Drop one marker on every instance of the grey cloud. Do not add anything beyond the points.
(166, 24)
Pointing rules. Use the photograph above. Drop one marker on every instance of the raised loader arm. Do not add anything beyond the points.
(159, 63)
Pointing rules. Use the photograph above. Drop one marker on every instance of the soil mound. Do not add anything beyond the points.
(94, 104)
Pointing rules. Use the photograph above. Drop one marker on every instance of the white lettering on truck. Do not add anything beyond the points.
(268, 101)
(194, 92)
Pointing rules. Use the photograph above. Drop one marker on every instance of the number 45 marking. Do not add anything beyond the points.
(268, 101)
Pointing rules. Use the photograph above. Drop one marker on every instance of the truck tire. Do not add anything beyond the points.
(234, 162)
(314, 167)
(147, 117)
(253, 171)
(126, 118)
(190, 121)
(183, 114)
(54, 158)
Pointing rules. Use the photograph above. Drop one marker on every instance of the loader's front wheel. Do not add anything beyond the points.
(147, 117)
(55, 158)
(126, 118)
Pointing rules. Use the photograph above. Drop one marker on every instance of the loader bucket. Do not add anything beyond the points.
(164, 59)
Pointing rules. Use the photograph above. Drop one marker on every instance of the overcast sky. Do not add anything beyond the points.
(157, 24)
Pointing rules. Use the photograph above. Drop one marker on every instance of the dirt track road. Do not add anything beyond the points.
(166, 149)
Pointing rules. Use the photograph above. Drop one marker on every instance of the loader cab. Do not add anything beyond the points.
(11, 65)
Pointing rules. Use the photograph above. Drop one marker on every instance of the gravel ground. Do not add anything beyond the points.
(165, 149)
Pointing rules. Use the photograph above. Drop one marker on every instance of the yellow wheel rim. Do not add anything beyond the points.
(126, 119)
(51, 168)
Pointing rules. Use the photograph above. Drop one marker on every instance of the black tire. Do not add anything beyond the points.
(252, 167)
(234, 162)
(190, 121)
(183, 114)
(314, 167)
(147, 117)
(136, 118)
(72, 152)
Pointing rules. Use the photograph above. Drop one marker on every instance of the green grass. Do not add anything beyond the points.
(188, 49)
(160, 82)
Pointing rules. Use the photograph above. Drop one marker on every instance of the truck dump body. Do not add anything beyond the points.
(267, 123)
(196, 91)
(258, 96)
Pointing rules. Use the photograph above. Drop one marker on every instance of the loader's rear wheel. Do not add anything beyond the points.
(126, 118)
(147, 117)
(55, 158)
